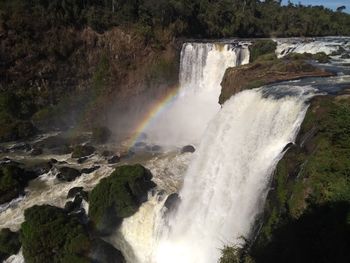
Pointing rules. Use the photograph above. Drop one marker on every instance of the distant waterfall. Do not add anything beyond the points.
(202, 68)
(226, 185)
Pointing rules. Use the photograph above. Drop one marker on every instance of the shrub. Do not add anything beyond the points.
(50, 233)
(262, 47)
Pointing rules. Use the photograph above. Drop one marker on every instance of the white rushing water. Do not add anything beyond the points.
(202, 68)
(226, 185)
(312, 46)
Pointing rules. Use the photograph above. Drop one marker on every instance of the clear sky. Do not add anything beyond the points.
(333, 4)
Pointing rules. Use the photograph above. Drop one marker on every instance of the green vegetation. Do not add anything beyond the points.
(49, 233)
(12, 182)
(119, 195)
(262, 47)
(9, 243)
(191, 18)
(320, 57)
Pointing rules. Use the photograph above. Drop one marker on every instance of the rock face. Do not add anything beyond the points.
(119, 196)
(68, 174)
(103, 252)
(266, 70)
(307, 209)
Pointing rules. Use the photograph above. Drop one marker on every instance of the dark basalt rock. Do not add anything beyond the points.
(103, 252)
(288, 146)
(82, 151)
(78, 191)
(172, 201)
(68, 174)
(90, 170)
(55, 145)
(36, 152)
(114, 159)
(74, 205)
(82, 160)
(156, 148)
(107, 153)
(21, 147)
(188, 149)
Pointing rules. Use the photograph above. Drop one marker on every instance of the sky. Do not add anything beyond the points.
(333, 4)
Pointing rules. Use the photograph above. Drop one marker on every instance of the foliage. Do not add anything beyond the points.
(262, 47)
(119, 195)
(12, 181)
(50, 233)
(9, 243)
(206, 18)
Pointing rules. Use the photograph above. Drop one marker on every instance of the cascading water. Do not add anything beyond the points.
(202, 68)
(226, 185)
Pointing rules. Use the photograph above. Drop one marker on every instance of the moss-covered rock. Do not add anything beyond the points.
(50, 234)
(13, 180)
(262, 47)
(9, 243)
(119, 195)
(82, 151)
(68, 174)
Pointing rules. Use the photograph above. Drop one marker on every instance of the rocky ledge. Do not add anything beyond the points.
(267, 69)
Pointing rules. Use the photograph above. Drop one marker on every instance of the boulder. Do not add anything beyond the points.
(90, 170)
(172, 201)
(114, 159)
(188, 149)
(21, 147)
(82, 151)
(119, 196)
(36, 152)
(103, 252)
(55, 145)
(78, 191)
(82, 160)
(68, 174)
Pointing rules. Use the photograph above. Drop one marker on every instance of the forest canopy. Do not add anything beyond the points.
(195, 18)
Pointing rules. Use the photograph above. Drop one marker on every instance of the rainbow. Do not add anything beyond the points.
(155, 110)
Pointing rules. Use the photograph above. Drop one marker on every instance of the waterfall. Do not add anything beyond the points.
(202, 68)
(226, 185)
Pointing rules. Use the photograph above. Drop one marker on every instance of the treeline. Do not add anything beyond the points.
(195, 18)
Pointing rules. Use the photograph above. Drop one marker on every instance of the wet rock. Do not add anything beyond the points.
(78, 191)
(3, 150)
(156, 148)
(103, 252)
(114, 159)
(172, 201)
(41, 168)
(90, 170)
(68, 174)
(36, 152)
(21, 147)
(188, 149)
(52, 161)
(287, 146)
(9, 243)
(82, 160)
(82, 151)
(107, 153)
(74, 205)
(140, 144)
(55, 145)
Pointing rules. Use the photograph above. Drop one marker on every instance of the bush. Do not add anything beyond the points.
(49, 233)
(9, 243)
(119, 195)
(262, 47)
